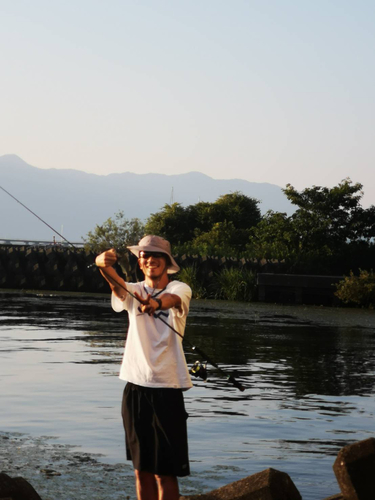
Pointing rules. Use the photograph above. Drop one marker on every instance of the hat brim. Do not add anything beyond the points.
(173, 266)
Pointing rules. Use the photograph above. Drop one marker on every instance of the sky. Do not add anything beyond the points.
(277, 91)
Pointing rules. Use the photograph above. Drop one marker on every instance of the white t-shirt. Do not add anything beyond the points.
(153, 355)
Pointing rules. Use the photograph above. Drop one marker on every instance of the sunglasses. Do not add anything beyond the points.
(156, 255)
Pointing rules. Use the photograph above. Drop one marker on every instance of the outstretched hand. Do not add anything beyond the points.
(107, 258)
(148, 304)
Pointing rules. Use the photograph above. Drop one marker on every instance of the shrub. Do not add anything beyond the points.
(358, 290)
(189, 275)
(234, 284)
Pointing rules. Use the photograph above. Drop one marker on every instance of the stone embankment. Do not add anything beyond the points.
(48, 268)
(58, 268)
(63, 269)
(354, 468)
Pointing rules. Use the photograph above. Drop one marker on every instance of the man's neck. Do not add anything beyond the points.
(161, 282)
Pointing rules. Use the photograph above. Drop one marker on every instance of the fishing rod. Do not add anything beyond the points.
(37, 216)
(199, 369)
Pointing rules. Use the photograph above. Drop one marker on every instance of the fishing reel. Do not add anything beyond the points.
(199, 370)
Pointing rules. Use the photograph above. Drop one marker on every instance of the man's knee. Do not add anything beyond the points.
(166, 481)
(142, 475)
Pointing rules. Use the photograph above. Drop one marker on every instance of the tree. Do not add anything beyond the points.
(274, 237)
(115, 233)
(221, 227)
(333, 215)
(328, 226)
(173, 223)
(235, 207)
(218, 240)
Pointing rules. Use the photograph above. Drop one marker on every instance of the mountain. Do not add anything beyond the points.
(73, 202)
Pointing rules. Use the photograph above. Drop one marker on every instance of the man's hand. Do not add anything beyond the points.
(106, 259)
(148, 304)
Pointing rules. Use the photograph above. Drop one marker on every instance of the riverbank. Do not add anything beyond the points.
(318, 315)
(63, 472)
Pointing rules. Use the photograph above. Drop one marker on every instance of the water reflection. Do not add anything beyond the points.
(292, 354)
(309, 375)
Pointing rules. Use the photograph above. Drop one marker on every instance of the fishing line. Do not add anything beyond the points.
(199, 369)
(37, 216)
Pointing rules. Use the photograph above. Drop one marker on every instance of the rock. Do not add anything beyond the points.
(50, 472)
(16, 488)
(269, 484)
(354, 468)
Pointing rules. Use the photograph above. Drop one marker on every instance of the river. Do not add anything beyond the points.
(308, 373)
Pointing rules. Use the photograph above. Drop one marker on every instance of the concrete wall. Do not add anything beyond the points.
(48, 268)
(59, 268)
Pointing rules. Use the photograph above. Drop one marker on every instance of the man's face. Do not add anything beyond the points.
(153, 264)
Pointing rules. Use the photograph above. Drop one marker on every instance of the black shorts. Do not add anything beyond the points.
(155, 430)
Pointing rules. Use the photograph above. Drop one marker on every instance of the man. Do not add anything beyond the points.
(154, 367)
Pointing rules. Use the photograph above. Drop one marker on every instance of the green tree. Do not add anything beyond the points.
(274, 237)
(172, 223)
(329, 221)
(221, 228)
(327, 226)
(237, 208)
(117, 233)
(328, 216)
(218, 240)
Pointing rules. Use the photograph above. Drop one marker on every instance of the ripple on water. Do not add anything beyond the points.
(308, 372)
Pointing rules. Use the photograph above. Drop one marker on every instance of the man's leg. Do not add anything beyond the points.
(168, 487)
(146, 486)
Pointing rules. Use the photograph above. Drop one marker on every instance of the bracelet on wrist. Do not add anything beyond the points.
(159, 303)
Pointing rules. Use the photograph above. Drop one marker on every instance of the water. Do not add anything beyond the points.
(308, 372)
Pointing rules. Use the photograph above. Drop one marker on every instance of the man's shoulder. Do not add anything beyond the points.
(137, 283)
(135, 287)
(175, 285)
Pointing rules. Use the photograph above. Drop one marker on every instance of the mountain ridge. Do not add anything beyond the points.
(77, 200)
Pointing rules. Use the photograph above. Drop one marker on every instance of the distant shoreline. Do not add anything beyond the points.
(318, 315)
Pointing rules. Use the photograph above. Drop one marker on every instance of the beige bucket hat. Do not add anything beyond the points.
(152, 243)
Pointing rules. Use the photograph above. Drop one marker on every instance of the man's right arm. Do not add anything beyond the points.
(105, 261)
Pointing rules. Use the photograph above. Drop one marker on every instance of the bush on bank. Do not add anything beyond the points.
(230, 283)
(358, 290)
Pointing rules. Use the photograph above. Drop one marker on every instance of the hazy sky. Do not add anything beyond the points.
(263, 90)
